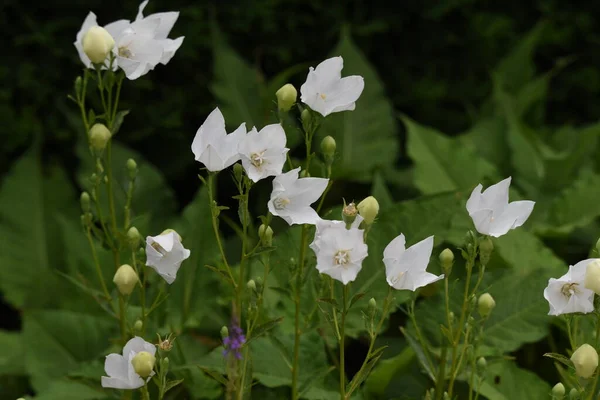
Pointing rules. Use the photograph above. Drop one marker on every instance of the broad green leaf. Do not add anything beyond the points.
(381, 192)
(30, 248)
(443, 164)
(381, 376)
(366, 137)
(58, 342)
(12, 360)
(71, 390)
(504, 380)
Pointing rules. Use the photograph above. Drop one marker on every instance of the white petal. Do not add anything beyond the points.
(308, 190)
(418, 255)
(166, 241)
(116, 383)
(115, 366)
(140, 14)
(513, 216)
(474, 202)
(395, 248)
(330, 70)
(117, 28)
(211, 159)
(421, 279)
(495, 197)
(170, 47)
(275, 135)
(137, 344)
(343, 95)
(88, 22)
(167, 21)
(482, 220)
(577, 271)
(209, 132)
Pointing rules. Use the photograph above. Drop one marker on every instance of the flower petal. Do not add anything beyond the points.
(395, 248)
(482, 220)
(514, 215)
(495, 197)
(115, 366)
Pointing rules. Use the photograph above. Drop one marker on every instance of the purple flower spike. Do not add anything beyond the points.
(236, 339)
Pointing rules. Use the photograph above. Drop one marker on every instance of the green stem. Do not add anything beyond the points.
(142, 290)
(144, 392)
(335, 319)
(420, 338)
(342, 345)
(122, 318)
(593, 391)
(297, 301)
(101, 88)
(97, 265)
(109, 187)
(242, 279)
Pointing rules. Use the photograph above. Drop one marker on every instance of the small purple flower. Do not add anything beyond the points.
(234, 342)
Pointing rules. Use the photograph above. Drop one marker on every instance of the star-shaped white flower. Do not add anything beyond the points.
(568, 294)
(339, 251)
(213, 147)
(405, 269)
(323, 224)
(326, 92)
(165, 253)
(114, 28)
(291, 197)
(120, 371)
(491, 212)
(263, 153)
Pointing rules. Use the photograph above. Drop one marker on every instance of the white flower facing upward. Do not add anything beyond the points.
(491, 212)
(120, 371)
(339, 251)
(263, 153)
(213, 147)
(291, 197)
(326, 92)
(165, 253)
(568, 294)
(405, 269)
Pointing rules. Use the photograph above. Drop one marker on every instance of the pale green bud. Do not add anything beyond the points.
(224, 332)
(97, 44)
(85, 201)
(585, 360)
(286, 97)
(133, 236)
(368, 209)
(481, 365)
(132, 168)
(485, 250)
(328, 146)
(485, 304)
(446, 259)
(125, 278)
(558, 391)
(99, 136)
(446, 396)
(138, 325)
(592, 276)
(143, 363)
(349, 213)
(372, 304)
(238, 171)
(251, 285)
(306, 118)
(573, 394)
(265, 233)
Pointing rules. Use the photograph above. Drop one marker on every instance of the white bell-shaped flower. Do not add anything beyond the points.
(326, 92)
(568, 294)
(405, 269)
(340, 251)
(213, 147)
(291, 197)
(165, 253)
(263, 153)
(491, 212)
(120, 370)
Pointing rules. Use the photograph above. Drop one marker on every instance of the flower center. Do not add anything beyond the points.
(323, 96)
(341, 258)
(569, 289)
(280, 203)
(398, 277)
(125, 52)
(257, 159)
(159, 248)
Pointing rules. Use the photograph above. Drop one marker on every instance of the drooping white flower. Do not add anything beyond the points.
(405, 269)
(339, 251)
(491, 212)
(326, 92)
(291, 197)
(165, 253)
(263, 153)
(120, 370)
(166, 21)
(568, 294)
(213, 147)
(114, 29)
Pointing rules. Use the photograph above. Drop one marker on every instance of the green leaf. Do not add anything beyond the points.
(58, 342)
(506, 381)
(31, 248)
(383, 373)
(443, 164)
(560, 358)
(71, 390)
(12, 356)
(367, 138)
(119, 118)
(262, 329)
(381, 192)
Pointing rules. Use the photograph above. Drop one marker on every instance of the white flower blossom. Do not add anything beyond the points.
(263, 153)
(405, 269)
(568, 294)
(165, 253)
(213, 147)
(291, 197)
(326, 92)
(339, 251)
(120, 371)
(491, 212)
(323, 224)
(166, 21)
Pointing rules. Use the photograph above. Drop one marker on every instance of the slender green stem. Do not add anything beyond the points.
(144, 393)
(215, 225)
(420, 338)
(101, 89)
(97, 265)
(297, 301)
(109, 188)
(335, 319)
(142, 290)
(243, 259)
(122, 318)
(117, 97)
(342, 344)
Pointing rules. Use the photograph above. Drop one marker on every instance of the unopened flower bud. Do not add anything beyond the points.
(97, 44)
(265, 233)
(446, 259)
(251, 285)
(138, 325)
(238, 171)
(585, 360)
(428, 395)
(485, 250)
(328, 146)
(132, 168)
(446, 396)
(286, 97)
(368, 209)
(224, 332)
(558, 391)
(372, 304)
(166, 344)
(165, 364)
(78, 86)
(99, 136)
(573, 394)
(133, 236)
(85, 201)
(485, 304)
(592, 276)
(481, 365)
(306, 118)
(125, 278)
(349, 213)
(143, 363)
